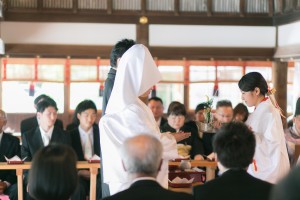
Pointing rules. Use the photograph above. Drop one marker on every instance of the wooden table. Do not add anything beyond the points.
(209, 165)
(210, 172)
(80, 165)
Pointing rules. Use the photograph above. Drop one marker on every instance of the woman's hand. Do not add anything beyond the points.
(179, 136)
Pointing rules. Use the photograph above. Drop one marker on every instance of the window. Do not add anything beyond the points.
(266, 72)
(230, 73)
(171, 87)
(19, 75)
(86, 83)
(202, 73)
(19, 100)
(198, 93)
(82, 91)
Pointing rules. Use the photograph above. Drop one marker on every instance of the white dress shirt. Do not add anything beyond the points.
(87, 141)
(46, 136)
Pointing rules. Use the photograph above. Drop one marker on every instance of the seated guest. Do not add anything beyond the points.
(288, 188)
(142, 159)
(156, 106)
(292, 134)
(9, 147)
(234, 147)
(223, 115)
(240, 113)
(200, 117)
(85, 141)
(53, 173)
(32, 122)
(44, 134)
(176, 124)
(199, 112)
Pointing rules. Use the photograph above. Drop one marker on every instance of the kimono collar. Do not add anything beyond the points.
(264, 99)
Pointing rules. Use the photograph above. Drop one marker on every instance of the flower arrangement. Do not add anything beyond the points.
(208, 122)
(207, 110)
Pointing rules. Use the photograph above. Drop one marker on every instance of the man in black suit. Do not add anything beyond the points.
(32, 122)
(142, 158)
(116, 53)
(234, 146)
(9, 147)
(45, 133)
(85, 141)
(157, 107)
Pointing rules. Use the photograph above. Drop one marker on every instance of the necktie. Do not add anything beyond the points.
(88, 152)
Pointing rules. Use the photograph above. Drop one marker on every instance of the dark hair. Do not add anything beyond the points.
(42, 105)
(252, 80)
(173, 104)
(53, 173)
(82, 106)
(40, 98)
(224, 103)
(85, 105)
(176, 108)
(234, 144)
(200, 106)
(156, 99)
(241, 109)
(119, 49)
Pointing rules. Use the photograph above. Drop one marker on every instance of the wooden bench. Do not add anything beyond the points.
(80, 165)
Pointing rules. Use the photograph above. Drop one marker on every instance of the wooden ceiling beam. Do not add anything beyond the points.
(132, 17)
(191, 53)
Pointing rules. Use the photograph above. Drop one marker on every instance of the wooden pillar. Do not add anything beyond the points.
(279, 75)
(186, 90)
(142, 32)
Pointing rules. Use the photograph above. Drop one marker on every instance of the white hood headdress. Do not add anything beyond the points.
(136, 74)
(127, 116)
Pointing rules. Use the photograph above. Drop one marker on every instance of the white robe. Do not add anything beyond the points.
(127, 116)
(271, 152)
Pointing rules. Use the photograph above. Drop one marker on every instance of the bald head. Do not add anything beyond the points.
(142, 155)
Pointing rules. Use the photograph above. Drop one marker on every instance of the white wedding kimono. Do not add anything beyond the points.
(271, 155)
(127, 116)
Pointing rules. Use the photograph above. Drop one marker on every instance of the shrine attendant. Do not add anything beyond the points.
(271, 160)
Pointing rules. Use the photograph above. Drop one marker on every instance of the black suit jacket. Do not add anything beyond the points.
(108, 86)
(148, 190)
(30, 123)
(9, 147)
(32, 141)
(76, 142)
(234, 185)
(162, 122)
